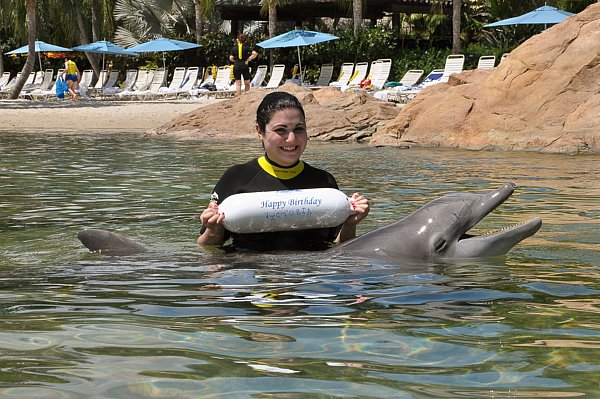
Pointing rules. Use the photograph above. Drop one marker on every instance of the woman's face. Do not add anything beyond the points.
(285, 136)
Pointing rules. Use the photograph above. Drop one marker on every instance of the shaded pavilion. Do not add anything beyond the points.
(307, 10)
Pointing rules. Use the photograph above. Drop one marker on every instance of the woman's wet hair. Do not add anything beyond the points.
(273, 102)
(241, 38)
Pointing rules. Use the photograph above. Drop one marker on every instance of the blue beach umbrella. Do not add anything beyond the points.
(40, 47)
(104, 47)
(543, 15)
(163, 44)
(297, 38)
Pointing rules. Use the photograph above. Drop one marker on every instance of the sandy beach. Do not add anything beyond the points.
(94, 116)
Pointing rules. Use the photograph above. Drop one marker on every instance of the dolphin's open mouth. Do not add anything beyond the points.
(496, 241)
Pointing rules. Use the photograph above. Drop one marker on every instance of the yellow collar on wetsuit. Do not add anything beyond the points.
(240, 46)
(280, 172)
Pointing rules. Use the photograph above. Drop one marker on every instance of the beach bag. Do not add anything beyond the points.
(61, 87)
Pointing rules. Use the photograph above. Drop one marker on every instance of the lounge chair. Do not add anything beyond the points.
(175, 84)
(380, 76)
(359, 74)
(44, 85)
(130, 79)
(158, 81)
(187, 83)
(7, 89)
(49, 93)
(86, 77)
(345, 75)
(454, 64)
(142, 83)
(403, 94)
(100, 82)
(324, 78)
(4, 79)
(276, 76)
(486, 62)
(259, 76)
(407, 82)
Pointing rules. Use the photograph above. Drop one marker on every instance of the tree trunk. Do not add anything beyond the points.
(456, 15)
(95, 22)
(31, 34)
(85, 39)
(1, 58)
(357, 15)
(199, 20)
(272, 26)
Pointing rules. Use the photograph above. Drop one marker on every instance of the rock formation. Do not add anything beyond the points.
(330, 114)
(544, 97)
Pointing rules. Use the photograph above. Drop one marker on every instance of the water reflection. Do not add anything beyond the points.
(178, 322)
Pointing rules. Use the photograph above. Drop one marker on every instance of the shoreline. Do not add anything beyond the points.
(92, 116)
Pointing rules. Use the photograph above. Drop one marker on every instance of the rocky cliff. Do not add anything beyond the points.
(544, 97)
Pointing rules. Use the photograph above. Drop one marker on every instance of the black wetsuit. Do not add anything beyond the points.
(251, 177)
(239, 64)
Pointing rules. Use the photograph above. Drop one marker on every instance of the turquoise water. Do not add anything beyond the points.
(182, 323)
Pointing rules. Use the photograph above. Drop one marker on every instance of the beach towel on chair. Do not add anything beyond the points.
(61, 87)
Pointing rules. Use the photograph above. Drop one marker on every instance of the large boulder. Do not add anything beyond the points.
(330, 114)
(544, 97)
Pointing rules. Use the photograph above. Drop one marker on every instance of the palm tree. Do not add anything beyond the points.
(357, 15)
(31, 34)
(456, 15)
(203, 9)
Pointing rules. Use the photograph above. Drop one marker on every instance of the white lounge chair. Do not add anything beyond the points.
(4, 79)
(276, 76)
(454, 64)
(158, 81)
(404, 94)
(142, 83)
(130, 79)
(175, 84)
(189, 82)
(325, 75)
(380, 76)
(86, 77)
(45, 84)
(345, 75)
(259, 76)
(109, 85)
(47, 94)
(486, 62)
(360, 73)
(407, 82)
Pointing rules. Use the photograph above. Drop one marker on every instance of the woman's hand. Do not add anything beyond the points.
(212, 220)
(362, 208)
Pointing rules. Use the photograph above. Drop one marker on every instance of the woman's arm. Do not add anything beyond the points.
(348, 230)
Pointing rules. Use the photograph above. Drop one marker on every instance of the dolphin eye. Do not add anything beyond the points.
(440, 245)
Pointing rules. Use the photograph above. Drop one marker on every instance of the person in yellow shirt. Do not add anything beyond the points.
(72, 76)
(241, 55)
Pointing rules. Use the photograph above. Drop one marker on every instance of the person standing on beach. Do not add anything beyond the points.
(72, 76)
(241, 55)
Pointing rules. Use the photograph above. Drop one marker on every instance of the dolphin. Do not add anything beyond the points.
(436, 231)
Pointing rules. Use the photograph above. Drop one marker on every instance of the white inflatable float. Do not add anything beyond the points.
(285, 210)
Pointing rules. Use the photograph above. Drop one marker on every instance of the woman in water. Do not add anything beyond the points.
(281, 126)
